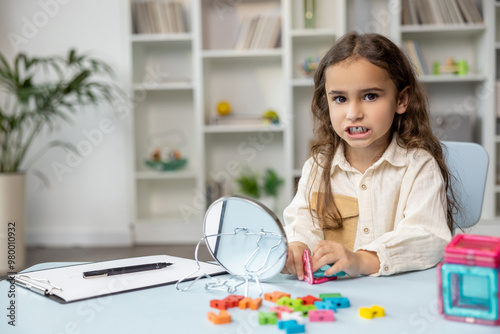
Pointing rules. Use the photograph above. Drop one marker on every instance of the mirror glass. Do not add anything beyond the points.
(245, 237)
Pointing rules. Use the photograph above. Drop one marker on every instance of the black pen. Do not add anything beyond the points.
(125, 270)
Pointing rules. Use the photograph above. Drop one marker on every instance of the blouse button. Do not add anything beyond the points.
(363, 186)
(386, 268)
(366, 230)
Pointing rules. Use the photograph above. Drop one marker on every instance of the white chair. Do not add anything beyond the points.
(468, 163)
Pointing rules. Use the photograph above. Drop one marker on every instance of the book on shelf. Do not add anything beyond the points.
(415, 12)
(157, 17)
(415, 55)
(259, 32)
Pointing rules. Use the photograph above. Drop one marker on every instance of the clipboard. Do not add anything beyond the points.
(67, 284)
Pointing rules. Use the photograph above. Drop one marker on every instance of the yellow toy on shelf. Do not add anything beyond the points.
(451, 66)
(224, 108)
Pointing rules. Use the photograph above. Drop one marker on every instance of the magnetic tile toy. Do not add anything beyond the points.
(469, 280)
(319, 275)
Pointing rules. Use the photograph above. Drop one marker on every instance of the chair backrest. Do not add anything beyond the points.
(468, 163)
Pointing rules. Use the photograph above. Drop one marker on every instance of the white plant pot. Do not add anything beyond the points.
(12, 240)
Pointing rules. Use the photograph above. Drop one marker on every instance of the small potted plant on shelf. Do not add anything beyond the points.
(36, 94)
(265, 188)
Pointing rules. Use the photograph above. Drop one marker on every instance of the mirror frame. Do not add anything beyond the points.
(258, 205)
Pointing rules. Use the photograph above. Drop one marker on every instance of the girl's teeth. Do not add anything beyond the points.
(358, 129)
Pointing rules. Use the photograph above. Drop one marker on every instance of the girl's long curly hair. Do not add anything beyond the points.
(412, 127)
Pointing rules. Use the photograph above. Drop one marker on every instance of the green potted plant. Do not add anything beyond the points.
(36, 94)
(264, 188)
(248, 183)
(271, 183)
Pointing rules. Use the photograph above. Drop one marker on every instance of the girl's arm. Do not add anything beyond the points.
(420, 229)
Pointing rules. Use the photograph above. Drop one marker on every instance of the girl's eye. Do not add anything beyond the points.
(339, 99)
(370, 97)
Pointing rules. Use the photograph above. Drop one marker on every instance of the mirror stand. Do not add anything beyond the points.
(246, 239)
(234, 281)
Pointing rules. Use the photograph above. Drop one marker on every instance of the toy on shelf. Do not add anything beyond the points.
(309, 66)
(225, 115)
(469, 279)
(270, 117)
(165, 150)
(166, 160)
(451, 66)
(224, 108)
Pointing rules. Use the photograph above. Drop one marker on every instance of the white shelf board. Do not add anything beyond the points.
(446, 78)
(312, 33)
(242, 128)
(153, 38)
(459, 29)
(303, 82)
(178, 85)
(165, 175)
(215, 54)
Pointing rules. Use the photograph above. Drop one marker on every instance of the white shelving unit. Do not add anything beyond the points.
(180, 78)
(165, 89)
(470, 95)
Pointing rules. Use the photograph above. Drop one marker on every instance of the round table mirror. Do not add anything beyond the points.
(245, 237)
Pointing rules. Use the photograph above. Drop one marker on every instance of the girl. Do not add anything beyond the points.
(375, 196)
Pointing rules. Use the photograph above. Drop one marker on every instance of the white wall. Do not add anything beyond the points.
(91, 203)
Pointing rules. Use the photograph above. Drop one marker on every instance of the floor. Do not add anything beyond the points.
(42, 254)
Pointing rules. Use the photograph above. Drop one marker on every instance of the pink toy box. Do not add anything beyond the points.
(469, 280)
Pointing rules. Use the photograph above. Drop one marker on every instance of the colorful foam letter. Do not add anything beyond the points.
(222, 318)
(321, 315)
(371, 312)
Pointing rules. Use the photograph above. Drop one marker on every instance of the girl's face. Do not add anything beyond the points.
(362, 101)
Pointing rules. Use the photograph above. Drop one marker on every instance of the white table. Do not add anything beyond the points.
(410, 302)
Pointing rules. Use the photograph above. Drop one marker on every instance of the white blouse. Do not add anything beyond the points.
(402, 208)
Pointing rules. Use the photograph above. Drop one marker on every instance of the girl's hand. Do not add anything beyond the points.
(352, 263)
(294, 263)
